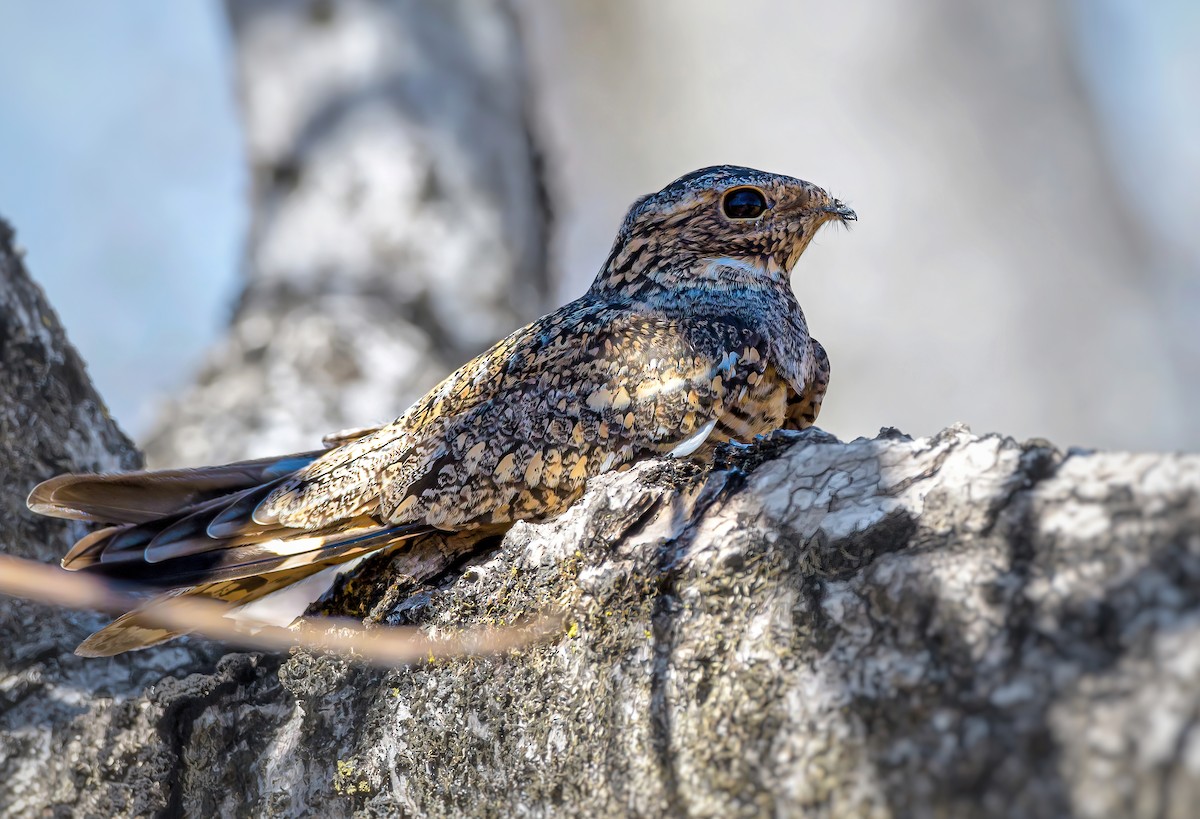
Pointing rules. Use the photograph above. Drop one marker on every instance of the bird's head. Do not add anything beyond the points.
(718, 226)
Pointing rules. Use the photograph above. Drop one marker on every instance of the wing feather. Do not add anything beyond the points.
(513, 434)
(140, 497)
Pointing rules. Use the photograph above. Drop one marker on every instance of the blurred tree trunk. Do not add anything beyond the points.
(399, 222)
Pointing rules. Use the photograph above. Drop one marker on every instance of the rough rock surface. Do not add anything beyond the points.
(951, 626)
(959, 625)
(52, 421)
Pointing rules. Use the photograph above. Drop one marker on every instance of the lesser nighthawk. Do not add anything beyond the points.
(690, 336)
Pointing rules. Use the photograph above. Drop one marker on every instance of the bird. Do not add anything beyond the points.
(689, 337)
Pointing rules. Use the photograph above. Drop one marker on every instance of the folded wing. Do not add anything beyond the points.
(512, 435)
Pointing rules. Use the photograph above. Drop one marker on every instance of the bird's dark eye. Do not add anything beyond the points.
(744, 203)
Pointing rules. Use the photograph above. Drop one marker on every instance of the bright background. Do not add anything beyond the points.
(1028, 185)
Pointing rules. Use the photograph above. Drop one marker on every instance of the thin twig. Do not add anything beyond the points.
(380, 645)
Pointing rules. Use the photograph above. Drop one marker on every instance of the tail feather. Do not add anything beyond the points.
(191, 529)
(86, 551)
(135, 630)
(128, 542)
(186, 527)
(198, 558)
(238, 517)
(141, 497)
(128, 632)
(193, 532)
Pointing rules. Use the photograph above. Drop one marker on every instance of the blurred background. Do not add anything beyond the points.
(1027, 179)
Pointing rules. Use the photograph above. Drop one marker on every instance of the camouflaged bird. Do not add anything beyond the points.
(690, 336)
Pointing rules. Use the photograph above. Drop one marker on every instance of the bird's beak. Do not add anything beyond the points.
(839, 211)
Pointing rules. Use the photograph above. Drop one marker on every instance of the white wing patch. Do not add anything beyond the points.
(690, 445)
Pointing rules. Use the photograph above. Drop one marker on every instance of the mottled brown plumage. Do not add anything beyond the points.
(690, 336)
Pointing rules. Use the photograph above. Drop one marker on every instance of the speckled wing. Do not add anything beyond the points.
(516, 433)
(804, 407)
(513, 434)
